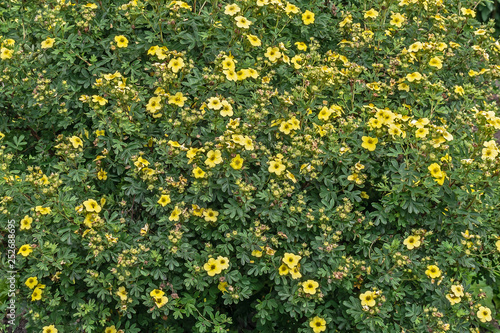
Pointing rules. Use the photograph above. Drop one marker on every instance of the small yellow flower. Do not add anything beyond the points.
(121, 41)
(43, 210)
(283, 270)
(459, 90)
(174, 216)
(318, 324)
(48, 43)
(369, 143)
(226, 110)
(232, 9)
(468, 12)
(154, 104)
(214, 103)
(397, 20)
(122, 293)
(372, 13)
(295, 273)
(412, 242)
(310, 286)
(480, 32)
(92, 206)
(301, 46)
(212, 267)
(324, 114)
(5, 53)
(98, 99)
(164, 200)
(254, 40)
(458, 290)
(367, 298)
(223, 262)
(421, 133)
(307, 17)
(222, 286)
(435, 170)
(31, 282)
(102, 175)
(76, 142)
(110, 329)
(50, 329)
(453, 299)
(198, 173)
(273, 53)
(26, 223)
(210, 215)
(177, 99)
(484, 314)
(237, 162)
(242, 22)
(161, 301)
(36, 295)
(433, 271)
(497, 244)
(156, 293)
(176, 64)
(214, 157)
(436, 62)
(291, 260)
(415, 76)
(276, 167)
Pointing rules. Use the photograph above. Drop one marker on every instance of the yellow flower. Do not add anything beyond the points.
(102, 175)
(5, 53)
(285, 127)
(257, 253)
(91, 5)
(276, 167)
(176, 64)
(237, 162)
(421, 133)
(110, 329)
(31, 282)
(122, 293)
(76, 142)
(480, 32)
(415, 76)
(254, 40)
(214, 103)
(467, 11)
(435, 170)
(161, 301)
(301, 46)
(9, 42)
(156, 293)
(48, 43)
(198, 173)
(484, 314)
(403, 86)
(92, 206)
(231, 75)
(223, 262)
(459, 90)
(212, 267)
(318, 324)
(273, 53)
(222, 286)
(497, 244)
(324, 114)
(227, 109)
(231, 9)
(283, 270)
(154, 104)
(290, 8)
(248, 143)
(397, 20)
(458, 290)
(454, 299)
(164, 200)
(436, 62)
(291, 260)
(310, 286)
(489, 153)
(242, 22)
(372, 13)
(50, 329)
(369, 143)
(367, 298)
(174, 216)
(433, 271)
(210, 215)
(26, 223)
(43, 210)
(121, 41)
(308, 17)
(98, 99)
(412, 242)
(36, 295)
(177, 99)
(295, 273)
(213, 158)
(415, 47)
(100, 133)
(228, 63)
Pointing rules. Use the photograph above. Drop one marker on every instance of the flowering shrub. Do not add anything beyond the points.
(257, 165)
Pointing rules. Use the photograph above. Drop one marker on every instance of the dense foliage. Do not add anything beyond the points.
(262, 165)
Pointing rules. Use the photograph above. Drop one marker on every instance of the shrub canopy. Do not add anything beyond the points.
(262, 165)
